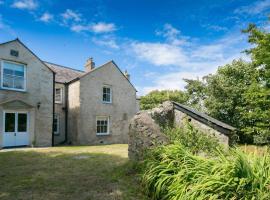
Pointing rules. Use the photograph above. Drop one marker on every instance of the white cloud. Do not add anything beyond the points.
(187, 61)
(254, 8)
(46, 17)
(71, 15)
(79, 28)
(172, 35)
(215, 27)
(102, 27)
(95, 28)
(25, 4)
(171, 81)
(106, 42)
(192, 56)
(160, 54)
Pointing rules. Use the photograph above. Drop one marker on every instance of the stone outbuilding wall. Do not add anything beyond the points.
(145, 128)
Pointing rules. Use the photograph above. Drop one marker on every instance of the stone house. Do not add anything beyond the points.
(43, 104)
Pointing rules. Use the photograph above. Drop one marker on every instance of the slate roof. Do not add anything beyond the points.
(202, 117)
(64, 74)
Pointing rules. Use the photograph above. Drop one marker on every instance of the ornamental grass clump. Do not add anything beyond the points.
(172, 172)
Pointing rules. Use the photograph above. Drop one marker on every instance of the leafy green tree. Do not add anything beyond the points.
(196, 92)
(157, 97)
(227, 95)
(226, 90)
(258, 97)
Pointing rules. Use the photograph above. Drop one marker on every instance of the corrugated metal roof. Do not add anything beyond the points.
(64, 74)
(205, 116)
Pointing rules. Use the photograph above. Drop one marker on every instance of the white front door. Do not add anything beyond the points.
(15, 129)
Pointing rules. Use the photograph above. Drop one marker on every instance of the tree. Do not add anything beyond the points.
(258, 97)
(196, 93)
(157, 97)
(226, 91)
(226, 96)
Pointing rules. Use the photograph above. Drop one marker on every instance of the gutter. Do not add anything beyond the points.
(53, 108)
(66, 113)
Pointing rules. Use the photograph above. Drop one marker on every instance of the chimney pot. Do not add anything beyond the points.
(89, 65)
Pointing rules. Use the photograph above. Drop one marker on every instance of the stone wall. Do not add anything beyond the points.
(181, 118)
(145, 128)
(85, 109)
(144, 133)
(39, 90)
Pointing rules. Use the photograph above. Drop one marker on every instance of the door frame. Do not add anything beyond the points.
(16, 124)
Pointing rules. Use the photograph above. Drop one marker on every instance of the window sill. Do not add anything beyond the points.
(102, 134)
(14, 90)
(105, 102)
(56, 134)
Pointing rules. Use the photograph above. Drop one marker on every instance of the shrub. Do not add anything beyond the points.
(193, 139)
(173, 172)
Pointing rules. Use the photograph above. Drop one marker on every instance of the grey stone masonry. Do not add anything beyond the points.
(144, 133)
(145, 128)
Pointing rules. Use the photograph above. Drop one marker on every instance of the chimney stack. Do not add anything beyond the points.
(127, 75)
(89, 65)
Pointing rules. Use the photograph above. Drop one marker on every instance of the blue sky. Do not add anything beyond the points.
(158, 42)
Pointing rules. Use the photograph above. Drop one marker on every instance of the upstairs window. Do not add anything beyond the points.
(103, 125)
(58, 95)
(107, 94)
(13, 76)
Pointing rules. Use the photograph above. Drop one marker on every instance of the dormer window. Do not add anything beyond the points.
(107, 94)
(13, 76)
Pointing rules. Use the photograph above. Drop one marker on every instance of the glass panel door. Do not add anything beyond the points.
(22, 122)
(9, 122)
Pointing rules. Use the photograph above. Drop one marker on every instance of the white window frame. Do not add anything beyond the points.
(2, 76)
(61, 95)
(107, 86)
(108, 124)
(57, 116)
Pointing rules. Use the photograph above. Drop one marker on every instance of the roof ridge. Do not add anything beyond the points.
(205, 116)
(63, 66)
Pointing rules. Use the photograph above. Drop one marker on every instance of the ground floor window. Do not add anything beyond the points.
(56, 120)
(103, 124)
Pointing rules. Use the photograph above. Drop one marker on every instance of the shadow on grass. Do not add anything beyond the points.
(58, 175)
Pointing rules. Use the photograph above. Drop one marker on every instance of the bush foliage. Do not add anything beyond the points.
(196, 166)
(193, 139)
(173, 172)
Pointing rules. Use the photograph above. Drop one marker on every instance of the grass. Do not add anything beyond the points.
(254, 149)
(79, 172)
(172, 172)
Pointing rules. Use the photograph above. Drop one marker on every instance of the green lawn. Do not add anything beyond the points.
(85, 172)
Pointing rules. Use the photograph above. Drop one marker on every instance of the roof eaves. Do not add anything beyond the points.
(77, 70)
(124, 75)
(18, 40)
(111, 61)
(227, 127)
